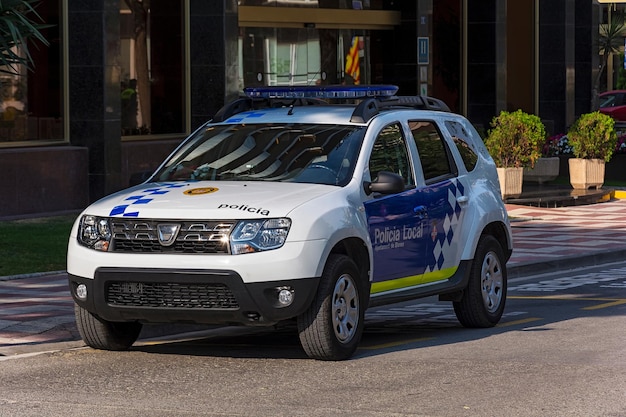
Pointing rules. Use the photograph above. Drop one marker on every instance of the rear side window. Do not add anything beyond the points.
(464, 144)
(433, 152)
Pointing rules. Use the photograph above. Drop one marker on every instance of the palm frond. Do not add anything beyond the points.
(611, 36)
(19, 23)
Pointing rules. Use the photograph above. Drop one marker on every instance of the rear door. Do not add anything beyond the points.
(444, 198)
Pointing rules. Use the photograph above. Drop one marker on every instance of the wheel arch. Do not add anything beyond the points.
(500, 232)
(357, 250)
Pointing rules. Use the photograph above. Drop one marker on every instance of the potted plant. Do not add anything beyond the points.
(514, 142)
(593, 140)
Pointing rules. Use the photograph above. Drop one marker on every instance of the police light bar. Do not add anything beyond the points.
(319, 91)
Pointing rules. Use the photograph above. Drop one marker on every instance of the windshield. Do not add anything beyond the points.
(607, 101)
(320, 154)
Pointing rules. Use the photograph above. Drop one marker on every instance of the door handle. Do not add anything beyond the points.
(462, 200)
(420, 211)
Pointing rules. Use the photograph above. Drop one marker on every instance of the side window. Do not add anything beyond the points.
(464, 144)
(390, 154)
(432, 149)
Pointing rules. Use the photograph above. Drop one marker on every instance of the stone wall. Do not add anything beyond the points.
(43, 180)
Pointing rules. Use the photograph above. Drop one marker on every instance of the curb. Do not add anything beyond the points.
(31, 275)
(566, 263)
(11, 352)
(618, 194)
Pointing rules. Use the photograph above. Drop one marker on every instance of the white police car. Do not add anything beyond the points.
(285, 206)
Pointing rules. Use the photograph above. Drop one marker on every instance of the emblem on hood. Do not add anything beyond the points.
(167, 233)
(198, 191)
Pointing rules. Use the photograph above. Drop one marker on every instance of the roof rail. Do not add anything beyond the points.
(372, 106)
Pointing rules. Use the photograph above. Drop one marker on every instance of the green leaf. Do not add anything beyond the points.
(19, 23)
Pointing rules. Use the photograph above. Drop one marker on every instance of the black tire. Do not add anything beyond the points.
(106, 335)
(484, 298)
(332, 326)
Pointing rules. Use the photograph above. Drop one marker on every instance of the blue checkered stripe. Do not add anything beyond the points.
(444, 245)
(142, 198)
(245, 115)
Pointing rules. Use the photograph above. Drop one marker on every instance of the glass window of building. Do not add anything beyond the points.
(328, 4)
(290, 56)
(152, 86)
(31, 101)
(286, 42)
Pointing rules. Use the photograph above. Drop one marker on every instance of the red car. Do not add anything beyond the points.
(613, 103)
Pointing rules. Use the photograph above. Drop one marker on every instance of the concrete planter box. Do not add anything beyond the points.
(586, 173)
(511, 180)
(545, 170)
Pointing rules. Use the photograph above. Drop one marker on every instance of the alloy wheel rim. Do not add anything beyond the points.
(491, 285)
(345, 305)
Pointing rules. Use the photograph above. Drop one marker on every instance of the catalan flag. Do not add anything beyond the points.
(352, 61)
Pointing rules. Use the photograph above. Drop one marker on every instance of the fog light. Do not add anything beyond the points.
(285, 296)
(81, 292)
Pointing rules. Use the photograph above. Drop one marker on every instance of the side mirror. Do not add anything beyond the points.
(386, 183)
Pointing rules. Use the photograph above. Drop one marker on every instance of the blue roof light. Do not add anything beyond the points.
(323, 91)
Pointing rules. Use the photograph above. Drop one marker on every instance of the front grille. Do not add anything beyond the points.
(170, 295)
(142, 236)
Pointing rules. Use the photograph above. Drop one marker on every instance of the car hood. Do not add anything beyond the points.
(208, 200)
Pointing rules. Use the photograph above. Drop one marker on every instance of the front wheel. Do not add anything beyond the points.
(332, 326)
(101, 334)
(483, 300)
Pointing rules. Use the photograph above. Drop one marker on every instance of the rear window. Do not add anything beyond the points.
(464, 144)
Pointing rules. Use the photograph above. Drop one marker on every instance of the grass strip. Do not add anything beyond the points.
(34, 245)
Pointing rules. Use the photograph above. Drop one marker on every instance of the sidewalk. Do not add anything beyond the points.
(38, 309)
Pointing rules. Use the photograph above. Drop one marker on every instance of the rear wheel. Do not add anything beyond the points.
(483, 300)
(332, 326)
(102, 334)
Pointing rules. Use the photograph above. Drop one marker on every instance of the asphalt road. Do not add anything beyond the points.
(560, 350)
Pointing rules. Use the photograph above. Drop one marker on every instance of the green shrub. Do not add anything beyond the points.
(515, 139)
(593, 136)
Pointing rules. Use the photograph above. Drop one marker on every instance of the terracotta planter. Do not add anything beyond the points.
(586, 173)
(545, 170)
(511, 180)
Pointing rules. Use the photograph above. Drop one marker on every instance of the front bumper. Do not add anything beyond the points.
(189, 296)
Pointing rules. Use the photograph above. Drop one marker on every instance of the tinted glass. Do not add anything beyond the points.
(320, 154)
(389, 154)
(463, 144)
(432, 150)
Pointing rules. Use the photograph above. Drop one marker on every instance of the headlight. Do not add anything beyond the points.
(259, 235)
(95, 233)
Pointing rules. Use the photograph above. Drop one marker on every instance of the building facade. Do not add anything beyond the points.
(122, 84)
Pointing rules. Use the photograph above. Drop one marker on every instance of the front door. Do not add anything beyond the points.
(396, 222)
